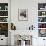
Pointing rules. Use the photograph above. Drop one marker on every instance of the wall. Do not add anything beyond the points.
(32, 13)
(32, 6)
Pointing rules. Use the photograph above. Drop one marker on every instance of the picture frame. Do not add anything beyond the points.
(23, 14)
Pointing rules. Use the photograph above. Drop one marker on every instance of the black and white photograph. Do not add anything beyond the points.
(22, 14)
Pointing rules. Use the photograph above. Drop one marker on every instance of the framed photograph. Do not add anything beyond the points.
(22, 14)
